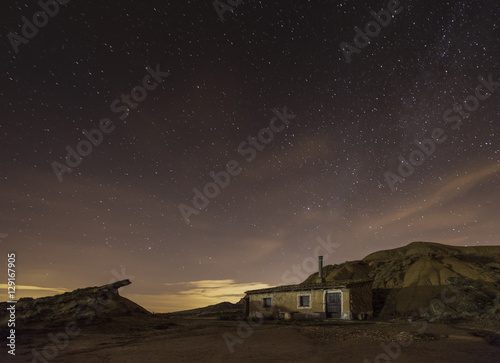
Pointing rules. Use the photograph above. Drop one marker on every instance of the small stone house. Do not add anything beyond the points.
(330, 299)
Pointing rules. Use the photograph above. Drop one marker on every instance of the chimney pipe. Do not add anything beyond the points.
(320, 267)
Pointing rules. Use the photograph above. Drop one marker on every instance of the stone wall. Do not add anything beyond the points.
(361, 300)
(285, 302)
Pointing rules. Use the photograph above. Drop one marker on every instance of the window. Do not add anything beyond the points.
(304, 301)
(266, 302)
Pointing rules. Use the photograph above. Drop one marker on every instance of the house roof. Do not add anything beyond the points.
(302, 287)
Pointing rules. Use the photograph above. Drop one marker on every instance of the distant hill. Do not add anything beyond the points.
(89, 305)
(221, 310)
(432, 248)
(426, 276)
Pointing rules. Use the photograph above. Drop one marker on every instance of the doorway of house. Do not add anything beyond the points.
(333, 304)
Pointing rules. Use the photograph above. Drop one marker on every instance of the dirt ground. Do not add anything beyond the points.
(203, 340)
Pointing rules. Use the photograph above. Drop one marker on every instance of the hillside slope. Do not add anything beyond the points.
(431, 279)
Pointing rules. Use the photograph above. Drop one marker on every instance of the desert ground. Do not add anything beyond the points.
(156, 339)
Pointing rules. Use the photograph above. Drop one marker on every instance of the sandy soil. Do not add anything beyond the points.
(202, 340)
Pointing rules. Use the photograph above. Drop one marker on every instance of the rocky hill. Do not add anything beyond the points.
(89, 305)
(431, 279)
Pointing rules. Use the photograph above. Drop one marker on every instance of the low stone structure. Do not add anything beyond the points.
(332, 299)
(342, 300)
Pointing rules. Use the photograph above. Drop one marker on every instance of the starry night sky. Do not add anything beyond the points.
(116, 215)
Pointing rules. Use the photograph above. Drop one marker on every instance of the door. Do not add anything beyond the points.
(333, 304)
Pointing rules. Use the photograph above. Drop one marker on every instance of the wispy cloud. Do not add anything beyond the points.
(30, 291)
(221, 289)
(35, 288)
(452, 188)
(195, 294)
